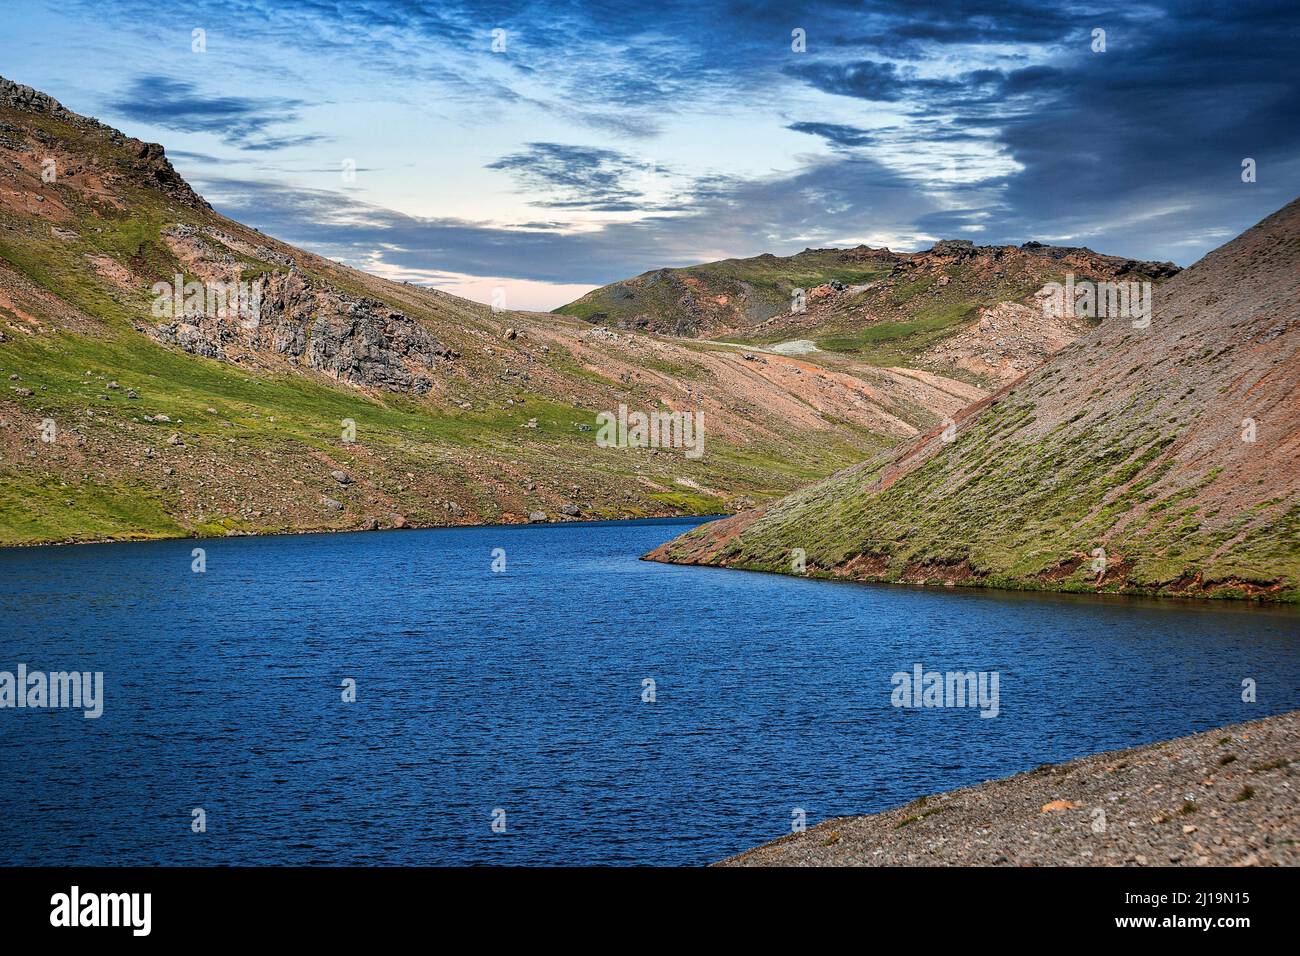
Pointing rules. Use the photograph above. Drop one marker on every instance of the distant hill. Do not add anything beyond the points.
(722, 297)
(957, 308)
(1143, 460)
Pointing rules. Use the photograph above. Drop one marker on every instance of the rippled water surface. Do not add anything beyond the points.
(523, 691)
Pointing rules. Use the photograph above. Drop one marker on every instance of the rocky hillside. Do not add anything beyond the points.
(124, 412)
(957, 309)
(1227, 797)
(1158, 459)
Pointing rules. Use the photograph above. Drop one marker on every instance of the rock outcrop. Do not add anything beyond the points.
(300, 320)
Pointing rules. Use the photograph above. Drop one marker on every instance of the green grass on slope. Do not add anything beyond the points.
(898, 343)
(269, 410)
(287, 407)
(1013, 510)
(42, 508)
(777, 277)
(691, 502)
(184, 386)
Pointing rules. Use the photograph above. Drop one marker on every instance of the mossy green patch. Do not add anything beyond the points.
(39, 508)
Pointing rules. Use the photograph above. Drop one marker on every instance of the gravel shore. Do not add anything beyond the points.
(1226, 797)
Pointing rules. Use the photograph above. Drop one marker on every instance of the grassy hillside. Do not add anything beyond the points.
(1131, 448)
(207, 429)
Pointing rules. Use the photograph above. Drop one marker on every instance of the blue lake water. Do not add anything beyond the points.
(522, 691)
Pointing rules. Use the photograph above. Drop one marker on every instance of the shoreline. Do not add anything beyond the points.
(691, 550)
(409, 526)
(1012, 587)
(997, 585)
(1229, 796)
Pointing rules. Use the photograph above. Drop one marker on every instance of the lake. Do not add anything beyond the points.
(524, 690)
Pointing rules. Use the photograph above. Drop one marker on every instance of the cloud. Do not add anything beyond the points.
(818, 205)
(865, 79)
(194, 157)
(978, 114)
(1136, 150)
(239, 120)
(903, 29)
(834, 133)
(578, 177)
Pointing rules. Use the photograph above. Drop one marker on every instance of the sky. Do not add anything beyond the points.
(543, 148)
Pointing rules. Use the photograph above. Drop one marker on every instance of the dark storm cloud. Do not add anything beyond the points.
(870, 80)
(1136, 150)
(239, 120)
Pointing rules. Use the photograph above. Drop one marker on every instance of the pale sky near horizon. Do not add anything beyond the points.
(608, 139)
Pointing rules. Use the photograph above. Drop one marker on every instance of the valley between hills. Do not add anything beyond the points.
(461, 415)
(825, 380)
